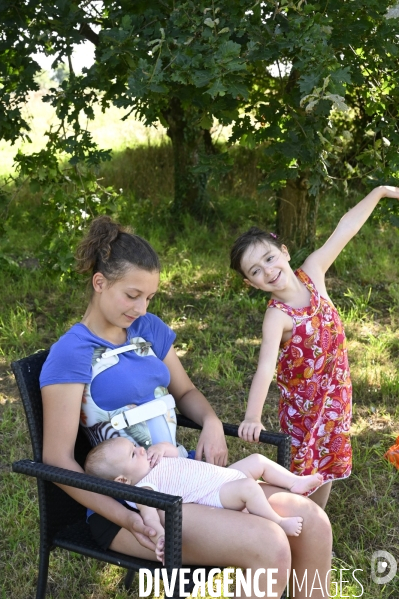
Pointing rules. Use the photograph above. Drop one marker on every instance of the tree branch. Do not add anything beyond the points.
(86, 31)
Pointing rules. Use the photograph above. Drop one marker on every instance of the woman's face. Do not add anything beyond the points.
(123, 301)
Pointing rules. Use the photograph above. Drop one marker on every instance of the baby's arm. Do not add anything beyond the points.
(151, 518)
(272, 331)
(160, 450)
(348, 226)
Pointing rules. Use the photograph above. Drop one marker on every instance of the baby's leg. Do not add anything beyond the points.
(258, 466)
(246, 493)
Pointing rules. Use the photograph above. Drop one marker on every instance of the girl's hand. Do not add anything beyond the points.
(250, 429)
(387, 191)
(212, 443)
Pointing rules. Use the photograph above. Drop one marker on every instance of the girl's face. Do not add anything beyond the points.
(123, 301)
(265, 266)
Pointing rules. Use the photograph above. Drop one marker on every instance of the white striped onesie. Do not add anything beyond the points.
(194, 481)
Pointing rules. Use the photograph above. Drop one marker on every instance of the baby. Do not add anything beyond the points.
(234, 488)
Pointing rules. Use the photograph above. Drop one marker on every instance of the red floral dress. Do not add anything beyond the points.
(316, 392)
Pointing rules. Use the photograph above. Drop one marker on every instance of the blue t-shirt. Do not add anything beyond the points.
(136, 378)
(133, 380)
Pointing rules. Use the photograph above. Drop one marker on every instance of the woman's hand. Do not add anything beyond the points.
(212, 443)
(145, 535)
(191, 403)
(151, 518)
(250, 429)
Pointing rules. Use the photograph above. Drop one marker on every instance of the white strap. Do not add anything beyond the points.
(151, 409)
(121, 350)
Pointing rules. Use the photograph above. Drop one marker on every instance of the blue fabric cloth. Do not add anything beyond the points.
(133, 380)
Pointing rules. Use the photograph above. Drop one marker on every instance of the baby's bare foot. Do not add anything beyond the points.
(306, 483)
(292, 526)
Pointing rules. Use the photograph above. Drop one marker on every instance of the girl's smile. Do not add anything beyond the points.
(275, 278)
(265, 266)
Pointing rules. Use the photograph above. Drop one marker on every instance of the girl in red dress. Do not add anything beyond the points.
(302, 331)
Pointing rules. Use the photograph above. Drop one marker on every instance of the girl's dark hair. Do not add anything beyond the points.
(251, 237)
(111, 249)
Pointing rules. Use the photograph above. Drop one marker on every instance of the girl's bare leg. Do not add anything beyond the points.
(321, 495)
(311, 551)
(258, 466)
(246, 493)
(222, 538)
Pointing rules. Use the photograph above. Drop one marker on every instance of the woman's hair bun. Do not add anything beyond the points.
(110, 248)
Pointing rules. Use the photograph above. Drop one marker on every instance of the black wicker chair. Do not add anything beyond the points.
(63, 520)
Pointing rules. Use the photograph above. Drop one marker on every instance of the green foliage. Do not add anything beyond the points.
(68, 197)
(283, 74)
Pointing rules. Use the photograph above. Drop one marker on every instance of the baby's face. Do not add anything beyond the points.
(129, 460)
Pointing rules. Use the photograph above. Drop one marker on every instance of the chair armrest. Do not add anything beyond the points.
(171, 504)
(84, 481)
(280, 440)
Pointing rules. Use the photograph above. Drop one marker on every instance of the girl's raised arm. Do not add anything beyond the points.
(348, 226)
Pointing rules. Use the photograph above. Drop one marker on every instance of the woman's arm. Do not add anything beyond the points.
(61, 410)
(193, 404)
(348, 226)
(272, 332)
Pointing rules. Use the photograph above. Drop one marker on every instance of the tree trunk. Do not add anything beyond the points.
(297, 214)
(189, 141)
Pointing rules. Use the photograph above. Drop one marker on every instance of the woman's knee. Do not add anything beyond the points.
(314, 513)
(229, 538)
(267, 543)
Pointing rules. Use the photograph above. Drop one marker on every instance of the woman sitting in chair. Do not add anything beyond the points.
(117, 374)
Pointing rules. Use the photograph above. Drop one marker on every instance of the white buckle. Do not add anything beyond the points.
(151, 409)
(124, 348)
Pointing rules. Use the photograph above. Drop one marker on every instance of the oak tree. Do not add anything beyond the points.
(313, 84)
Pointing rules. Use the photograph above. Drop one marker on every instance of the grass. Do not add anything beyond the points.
(108, 130)
(218, 326)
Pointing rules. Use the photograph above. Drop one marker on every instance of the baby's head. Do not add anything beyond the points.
(118, 459)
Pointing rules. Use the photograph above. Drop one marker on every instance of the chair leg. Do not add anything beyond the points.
(43, 572)
(129, 578)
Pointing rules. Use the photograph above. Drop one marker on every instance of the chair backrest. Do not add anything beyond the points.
(56, 507)
(27, 372)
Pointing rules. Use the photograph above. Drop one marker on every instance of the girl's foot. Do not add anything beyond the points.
(306, 483)
(292, 526)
